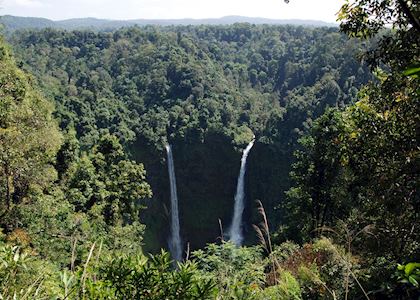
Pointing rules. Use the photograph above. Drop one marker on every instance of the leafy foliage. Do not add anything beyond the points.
(206, 90)
(73, 200)
(371, 152)
(409, 273)
(238, 272)
(29, 137)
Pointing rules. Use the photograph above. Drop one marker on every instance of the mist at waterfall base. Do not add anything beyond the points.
(235, 231)
(175, 239)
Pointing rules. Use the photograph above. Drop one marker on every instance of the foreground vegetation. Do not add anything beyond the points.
(72, 196)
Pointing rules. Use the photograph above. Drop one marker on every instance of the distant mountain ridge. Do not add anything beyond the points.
(12, 23)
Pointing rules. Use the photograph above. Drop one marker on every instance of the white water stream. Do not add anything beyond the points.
(175, 238)
(235, 231)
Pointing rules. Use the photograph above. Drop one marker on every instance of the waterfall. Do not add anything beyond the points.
(175, 238)
(235, 232)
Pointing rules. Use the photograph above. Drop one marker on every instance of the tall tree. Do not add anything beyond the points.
(377, 146)
(29, 136)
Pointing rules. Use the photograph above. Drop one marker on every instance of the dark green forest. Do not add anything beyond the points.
(332, 208)
(205, 90)
(12, 23)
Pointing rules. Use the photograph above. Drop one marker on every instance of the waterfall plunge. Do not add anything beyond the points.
(175, 238)
(235, 232)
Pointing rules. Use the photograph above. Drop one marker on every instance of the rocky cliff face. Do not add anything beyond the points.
(206, 181)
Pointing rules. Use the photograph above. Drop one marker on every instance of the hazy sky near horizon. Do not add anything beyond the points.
(323, 10)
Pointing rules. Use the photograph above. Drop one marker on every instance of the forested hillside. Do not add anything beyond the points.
(206, 90)
(331, 207)
(12, 23)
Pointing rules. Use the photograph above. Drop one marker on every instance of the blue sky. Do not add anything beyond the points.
(172, 9)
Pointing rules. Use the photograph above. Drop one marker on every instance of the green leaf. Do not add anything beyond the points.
(413, 71)
(410, 267)
(413, 281)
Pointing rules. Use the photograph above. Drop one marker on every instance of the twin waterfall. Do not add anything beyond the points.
(175, 238)
(235, 231)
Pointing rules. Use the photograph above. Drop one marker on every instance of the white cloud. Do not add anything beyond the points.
(28, 3)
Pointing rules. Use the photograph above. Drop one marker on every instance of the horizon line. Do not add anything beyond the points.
(172, 19)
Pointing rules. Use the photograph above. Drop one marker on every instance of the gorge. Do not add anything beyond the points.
(204, 90)
(211, 162)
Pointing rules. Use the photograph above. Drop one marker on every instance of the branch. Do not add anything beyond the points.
(411, 17)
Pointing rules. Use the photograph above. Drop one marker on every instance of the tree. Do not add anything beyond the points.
(106, 179)
(29, 136)
(387, 117)
(397, 48)
(378, 142)
(320, 194)
(366, 18)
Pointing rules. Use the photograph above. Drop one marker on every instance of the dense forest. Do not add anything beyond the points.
(205, 90)
(12, 23)
(331, 210)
